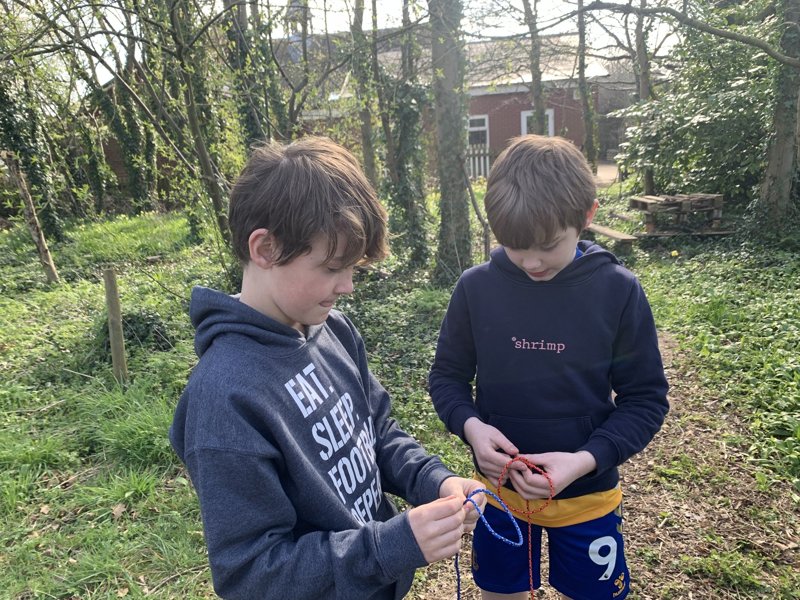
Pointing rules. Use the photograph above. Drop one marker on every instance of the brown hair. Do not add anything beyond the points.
(537, 187)
(299, 190)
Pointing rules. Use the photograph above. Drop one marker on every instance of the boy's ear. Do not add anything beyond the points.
(590, 213)
(263, 248)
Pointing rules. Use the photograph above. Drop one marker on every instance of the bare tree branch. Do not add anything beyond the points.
(700, 26)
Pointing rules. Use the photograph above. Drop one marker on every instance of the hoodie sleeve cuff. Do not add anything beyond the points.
(399, 550)
(604, 451)
(458, 417)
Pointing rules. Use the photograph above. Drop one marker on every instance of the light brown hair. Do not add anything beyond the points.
(537, 187)
(299, 190)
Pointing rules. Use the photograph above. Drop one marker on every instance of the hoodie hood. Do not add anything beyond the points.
(592, 258)
(215, 314)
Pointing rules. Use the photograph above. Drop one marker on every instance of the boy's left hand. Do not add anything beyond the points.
(562, 467)
(461, 488)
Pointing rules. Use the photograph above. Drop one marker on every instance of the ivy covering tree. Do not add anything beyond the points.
(707, 130)
(20, 133)
(773, 28)
(447, 57)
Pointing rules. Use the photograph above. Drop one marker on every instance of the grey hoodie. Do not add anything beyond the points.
(290, 446)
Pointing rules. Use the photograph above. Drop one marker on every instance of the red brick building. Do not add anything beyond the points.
(500, 106)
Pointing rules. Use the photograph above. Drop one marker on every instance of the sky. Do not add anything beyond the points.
(390, 14)
(475, 23)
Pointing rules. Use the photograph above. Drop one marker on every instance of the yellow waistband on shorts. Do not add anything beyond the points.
(558, 513)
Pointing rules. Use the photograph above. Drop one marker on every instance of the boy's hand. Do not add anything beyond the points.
(437, 527)
(562, 467)
(461, 488)
(492, 449)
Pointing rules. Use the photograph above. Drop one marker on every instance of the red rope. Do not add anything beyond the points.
(528, 510)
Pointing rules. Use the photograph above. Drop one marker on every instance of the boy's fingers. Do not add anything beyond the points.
(518, 466)
(504, 444)
(519, 479)
(444, 507)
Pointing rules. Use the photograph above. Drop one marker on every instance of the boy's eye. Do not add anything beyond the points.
(335, 268)
(551, 246)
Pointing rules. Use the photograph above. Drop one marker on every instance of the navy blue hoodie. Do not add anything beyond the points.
(291, 449)
(545, 357)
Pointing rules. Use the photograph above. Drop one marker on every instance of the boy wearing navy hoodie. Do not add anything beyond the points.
(285, 432)
(559, 341)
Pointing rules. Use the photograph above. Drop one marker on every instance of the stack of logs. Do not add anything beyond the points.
(678, 208)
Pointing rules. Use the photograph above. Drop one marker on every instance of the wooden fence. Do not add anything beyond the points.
(478, 161)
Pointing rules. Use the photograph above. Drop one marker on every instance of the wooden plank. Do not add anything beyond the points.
(619, 236)
(623, 240)
(699, 232)
(645, 203)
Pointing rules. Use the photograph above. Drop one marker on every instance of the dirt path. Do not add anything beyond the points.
(700, 525)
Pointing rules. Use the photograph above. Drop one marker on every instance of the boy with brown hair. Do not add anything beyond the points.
(285, 432)
(560, 343)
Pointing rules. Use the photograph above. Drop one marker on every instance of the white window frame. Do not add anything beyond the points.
(484, 128)
(549, 113)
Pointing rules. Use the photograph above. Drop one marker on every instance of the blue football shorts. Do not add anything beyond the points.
(587, 561)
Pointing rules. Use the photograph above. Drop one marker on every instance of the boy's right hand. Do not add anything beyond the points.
(437, 526)
(492, 449)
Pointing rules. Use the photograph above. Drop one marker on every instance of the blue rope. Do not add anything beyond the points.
(489, 527)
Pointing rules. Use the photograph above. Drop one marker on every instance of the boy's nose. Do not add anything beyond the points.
(531, 263)
(345, 284)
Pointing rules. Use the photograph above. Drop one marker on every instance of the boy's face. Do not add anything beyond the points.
(542, 263)
(303, 291)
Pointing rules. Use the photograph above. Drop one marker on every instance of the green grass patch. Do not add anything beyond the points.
(733, 306)
(92, 500)
(736, 311)
(739, 571)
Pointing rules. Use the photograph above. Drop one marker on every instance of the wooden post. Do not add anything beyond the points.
(115, 335)
(29, 210)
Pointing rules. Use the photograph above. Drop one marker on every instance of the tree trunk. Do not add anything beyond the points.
(208, 172)
(31, 219)
(408, 194)
(643, 74)
(248, 101)
(537, 89)
(383, 104)
(587, 100)
(361, 71)
(276, 116)
(779, 191)
(140, 159)
(21, 133)
(447, 57)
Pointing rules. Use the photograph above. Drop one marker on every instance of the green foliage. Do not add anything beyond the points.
(409, 217)
(736, 310)
(21, 133)
(738, 571)
(93, 501)
(707, 131)
(130, 133)
(92, 165)
(90, 247)
(142, 330)
(128, 426)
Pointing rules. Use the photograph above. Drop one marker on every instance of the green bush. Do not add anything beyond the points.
(142, 329)
(707, 131)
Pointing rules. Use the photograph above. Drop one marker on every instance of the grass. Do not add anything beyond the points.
(737, 312)
(93, 503)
